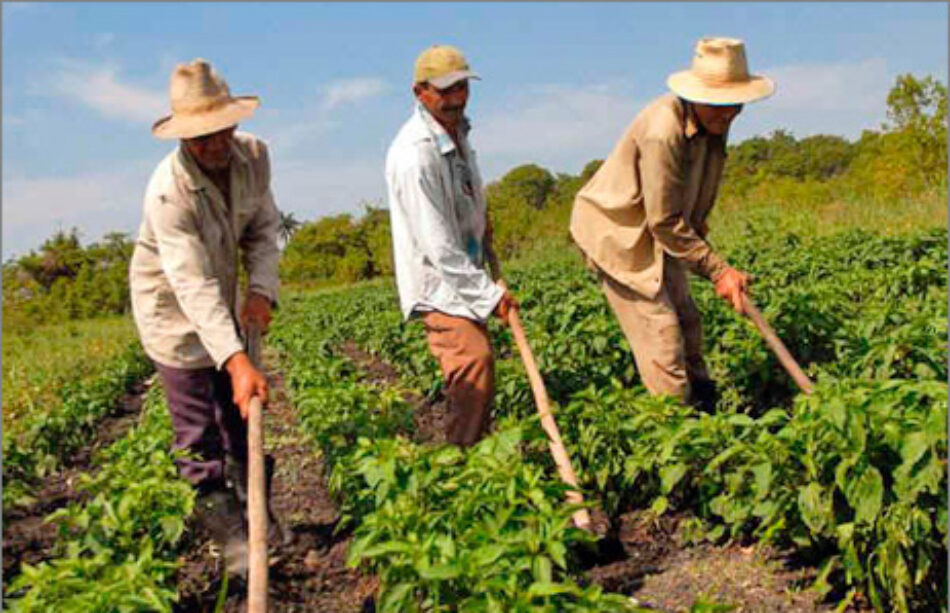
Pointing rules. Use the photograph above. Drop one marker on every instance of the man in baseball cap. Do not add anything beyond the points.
(442, 238)
(207, 201)
(641, 219)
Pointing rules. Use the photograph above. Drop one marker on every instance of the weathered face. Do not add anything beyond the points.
(212, 151)
(446, 105)
(716, 119)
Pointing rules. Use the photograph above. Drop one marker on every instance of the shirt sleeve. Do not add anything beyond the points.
(663, 183)
(437, 234)
(187, 266)
(259, 240)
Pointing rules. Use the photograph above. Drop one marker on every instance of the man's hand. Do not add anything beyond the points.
(731, 286)
(505, 305)
(257, 311)
(246, 382)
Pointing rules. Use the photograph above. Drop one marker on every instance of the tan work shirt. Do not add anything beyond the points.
(651, 196)
(184, 269)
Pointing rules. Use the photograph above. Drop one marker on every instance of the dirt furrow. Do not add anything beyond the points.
(647, 558)
(309, 573)
(27, 538)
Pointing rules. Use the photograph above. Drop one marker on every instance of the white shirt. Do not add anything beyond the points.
(437, 210)
(184, 270)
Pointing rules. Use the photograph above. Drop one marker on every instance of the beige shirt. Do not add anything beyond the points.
(184, 269)
(651, 196)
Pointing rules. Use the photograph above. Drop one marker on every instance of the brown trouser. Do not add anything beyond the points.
(463, 349)
(665, 333)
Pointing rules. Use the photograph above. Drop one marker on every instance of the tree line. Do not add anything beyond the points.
(529, 207)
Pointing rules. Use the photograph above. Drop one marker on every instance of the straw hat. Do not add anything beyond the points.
(720, 75)
(442, 66)
(201, 103)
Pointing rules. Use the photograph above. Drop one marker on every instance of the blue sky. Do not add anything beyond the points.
(83, 82)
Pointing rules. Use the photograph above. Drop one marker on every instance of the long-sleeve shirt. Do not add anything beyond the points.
(184, 269)
(438, 214)
(651, 197)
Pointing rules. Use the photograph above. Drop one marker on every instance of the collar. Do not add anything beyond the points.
(194, 178)
(692, 127)
(442, 138)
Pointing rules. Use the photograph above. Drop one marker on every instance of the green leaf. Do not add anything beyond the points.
(660, 505)
(813, 508)
(867, 496)
(670, 475)
(440, 572)
(547, 588)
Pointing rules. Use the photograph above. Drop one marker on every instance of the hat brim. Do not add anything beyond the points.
(199, 124)
(447, 80)
(686, 85)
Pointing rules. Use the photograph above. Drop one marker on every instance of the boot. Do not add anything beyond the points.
(236, 474)
(704, 395)
(217, 511)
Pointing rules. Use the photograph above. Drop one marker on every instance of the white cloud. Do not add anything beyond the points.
(99, 88)
(103, 39)
(315, 188)
(350, 91)
(840, 86)
(96, 203)
(557, 126)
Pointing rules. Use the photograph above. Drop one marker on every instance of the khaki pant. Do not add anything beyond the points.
(463, 349)
(665, 333)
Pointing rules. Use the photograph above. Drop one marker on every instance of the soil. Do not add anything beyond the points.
(27, 539)
(430, 415)
(661, 571)
(307, 574)
(647, 558)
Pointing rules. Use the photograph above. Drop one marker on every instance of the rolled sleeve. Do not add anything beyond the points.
(663, 183)
(187, 266)
(438, 237)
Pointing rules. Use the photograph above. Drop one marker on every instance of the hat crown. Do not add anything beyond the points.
(197, 88)
(719, 61)
(437, 61)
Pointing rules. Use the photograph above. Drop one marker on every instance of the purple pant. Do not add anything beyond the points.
(206, 421)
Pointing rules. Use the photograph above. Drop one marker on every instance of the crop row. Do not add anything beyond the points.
(118, 547)
(39, 441)
(854, 475)
(480, 530)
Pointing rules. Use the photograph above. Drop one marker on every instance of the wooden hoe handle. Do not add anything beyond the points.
(256, 497)
(581, 516)
(776, 345)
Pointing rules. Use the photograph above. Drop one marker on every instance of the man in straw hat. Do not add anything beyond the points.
(441, 238)
(641, 219)
(207, 200)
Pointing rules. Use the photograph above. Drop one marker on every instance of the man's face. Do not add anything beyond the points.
(212, 151)
(716, 119)
(446, 105)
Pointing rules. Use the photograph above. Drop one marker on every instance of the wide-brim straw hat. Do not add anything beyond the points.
(720, 75)
(201, 103)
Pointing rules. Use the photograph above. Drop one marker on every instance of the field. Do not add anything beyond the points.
(776, 501)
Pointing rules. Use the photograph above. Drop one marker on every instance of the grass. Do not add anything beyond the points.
(38, 362)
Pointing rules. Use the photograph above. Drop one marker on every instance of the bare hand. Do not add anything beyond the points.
(256, 311)
(246, 382)
(505, 305)
(731, 286)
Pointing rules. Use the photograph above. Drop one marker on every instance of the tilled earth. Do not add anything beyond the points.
(644, 558)
(648, 559)
(27, 538)
(309, 573)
